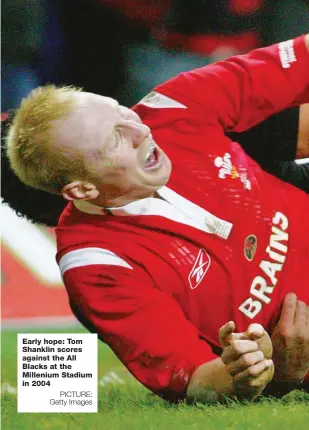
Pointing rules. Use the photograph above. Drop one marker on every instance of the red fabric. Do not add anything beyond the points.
(207, 44)
(158, 325)
(245, 7)
(4, 116)
(144, 11)
(145, 328)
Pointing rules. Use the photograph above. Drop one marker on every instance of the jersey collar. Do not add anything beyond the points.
(171, 205)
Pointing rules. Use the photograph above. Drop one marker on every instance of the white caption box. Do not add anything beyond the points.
(57, 373)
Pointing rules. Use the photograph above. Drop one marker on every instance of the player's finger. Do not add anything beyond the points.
(308, 315)
(254, 371)
(88, 186)
(245, 361)
(225, 333)
(255, 331)
(288, 309)
(264, 378)
(300, 317)
(238, 348)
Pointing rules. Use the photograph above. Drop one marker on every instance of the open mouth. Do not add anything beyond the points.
(152, 158)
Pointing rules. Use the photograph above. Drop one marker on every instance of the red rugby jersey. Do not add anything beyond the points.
(226, 241)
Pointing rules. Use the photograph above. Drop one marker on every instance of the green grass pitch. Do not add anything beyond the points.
(126, 405)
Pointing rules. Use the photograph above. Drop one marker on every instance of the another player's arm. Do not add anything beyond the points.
(149, 333)
(290, 339)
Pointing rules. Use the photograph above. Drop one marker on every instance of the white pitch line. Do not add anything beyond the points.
(7, 388)
(111, 378)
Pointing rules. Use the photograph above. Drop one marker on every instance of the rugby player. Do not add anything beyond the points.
(274, 144)
(174, 238)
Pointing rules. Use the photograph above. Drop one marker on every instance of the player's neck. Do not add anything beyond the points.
(121, 200)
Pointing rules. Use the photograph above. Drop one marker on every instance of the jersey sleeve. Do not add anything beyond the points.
(244, 90)
(144, 327)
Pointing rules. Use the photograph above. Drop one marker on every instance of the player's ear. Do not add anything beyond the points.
(79, 190)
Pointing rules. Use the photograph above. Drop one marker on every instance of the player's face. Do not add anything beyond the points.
(119, 149)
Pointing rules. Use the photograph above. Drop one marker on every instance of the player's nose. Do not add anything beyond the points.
(140, 133)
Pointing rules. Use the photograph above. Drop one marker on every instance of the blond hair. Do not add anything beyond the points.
(30, 145)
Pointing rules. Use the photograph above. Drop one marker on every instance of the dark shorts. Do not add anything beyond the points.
(275, 139)
(273, 144)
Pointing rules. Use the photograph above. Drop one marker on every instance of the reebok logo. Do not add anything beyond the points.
(199, 269)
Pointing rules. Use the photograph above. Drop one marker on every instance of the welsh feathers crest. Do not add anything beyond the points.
(227, 169)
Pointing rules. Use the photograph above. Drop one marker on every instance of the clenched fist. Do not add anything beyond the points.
(247, 357)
